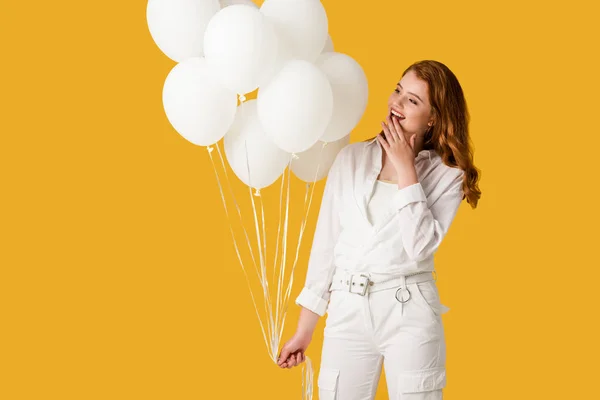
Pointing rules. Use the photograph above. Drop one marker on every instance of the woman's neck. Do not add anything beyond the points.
(388, 171)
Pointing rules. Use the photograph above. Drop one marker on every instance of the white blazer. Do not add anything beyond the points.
(404, 242)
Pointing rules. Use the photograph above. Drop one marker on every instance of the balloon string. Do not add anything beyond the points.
(248, 243)
(302, 228)
(283, 256)
(268, 291)
(236, 245)
(285, 300)
(278, 225)
(276, 325)
(236, 205)
(264, 284)
(307, 370)
(307, 379)
(272, 345)
(258, 274)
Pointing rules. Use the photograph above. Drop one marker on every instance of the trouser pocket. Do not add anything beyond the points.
(423, 384)
(429, 296)
(328, 384)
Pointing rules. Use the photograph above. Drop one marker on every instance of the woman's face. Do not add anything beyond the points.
(411, 100)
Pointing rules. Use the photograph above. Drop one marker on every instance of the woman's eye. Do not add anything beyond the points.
(411, 100)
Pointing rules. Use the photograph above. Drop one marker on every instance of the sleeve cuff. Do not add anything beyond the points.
(308, 299)
(409, 194)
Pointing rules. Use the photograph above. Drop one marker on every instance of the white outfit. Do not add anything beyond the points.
(389, 236)
(380, 201)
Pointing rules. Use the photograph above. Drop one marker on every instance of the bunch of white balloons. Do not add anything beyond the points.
(308, 94)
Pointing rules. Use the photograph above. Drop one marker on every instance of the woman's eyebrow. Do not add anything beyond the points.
(411, 93)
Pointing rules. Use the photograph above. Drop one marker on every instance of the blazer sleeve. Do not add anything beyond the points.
(423, 227)
(315, 293)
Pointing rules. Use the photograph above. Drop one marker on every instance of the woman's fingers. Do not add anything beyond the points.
(300, 357)
(285, 353)
(382, 140)
(397, 128)
(386, 133)
(292, 361)
(392, 130)
(288, 362)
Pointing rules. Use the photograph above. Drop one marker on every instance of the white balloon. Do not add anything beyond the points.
(177, 26)
(328, 45)
(265, 161)
(240, 46)
(227, 3)
(301, 25)
(199, 108)
(296, 106)
(284, 56)
(314, 164)
(350, 93)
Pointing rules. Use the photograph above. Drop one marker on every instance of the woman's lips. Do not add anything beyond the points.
(397, 114)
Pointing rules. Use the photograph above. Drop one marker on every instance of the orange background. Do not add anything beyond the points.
(119, 279)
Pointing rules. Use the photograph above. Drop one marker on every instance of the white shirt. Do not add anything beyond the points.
(406, 235)
(381, 200)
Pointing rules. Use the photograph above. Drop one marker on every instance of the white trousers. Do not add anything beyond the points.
(364, 333)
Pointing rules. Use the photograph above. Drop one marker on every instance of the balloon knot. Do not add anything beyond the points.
(294, 156)
(325, 144)
(257, 192)
(209, 148)
(242, 98)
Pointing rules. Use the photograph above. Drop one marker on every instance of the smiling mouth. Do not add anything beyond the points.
(397, 114)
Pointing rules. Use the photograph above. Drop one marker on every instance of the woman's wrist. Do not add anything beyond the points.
(407, 176)
(304, 332)
(307, 322)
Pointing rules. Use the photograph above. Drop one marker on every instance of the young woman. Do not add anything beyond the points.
(387, 205)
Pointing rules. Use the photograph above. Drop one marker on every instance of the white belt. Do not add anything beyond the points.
(361, 283)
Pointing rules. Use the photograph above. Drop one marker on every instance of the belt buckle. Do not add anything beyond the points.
(363, 283)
